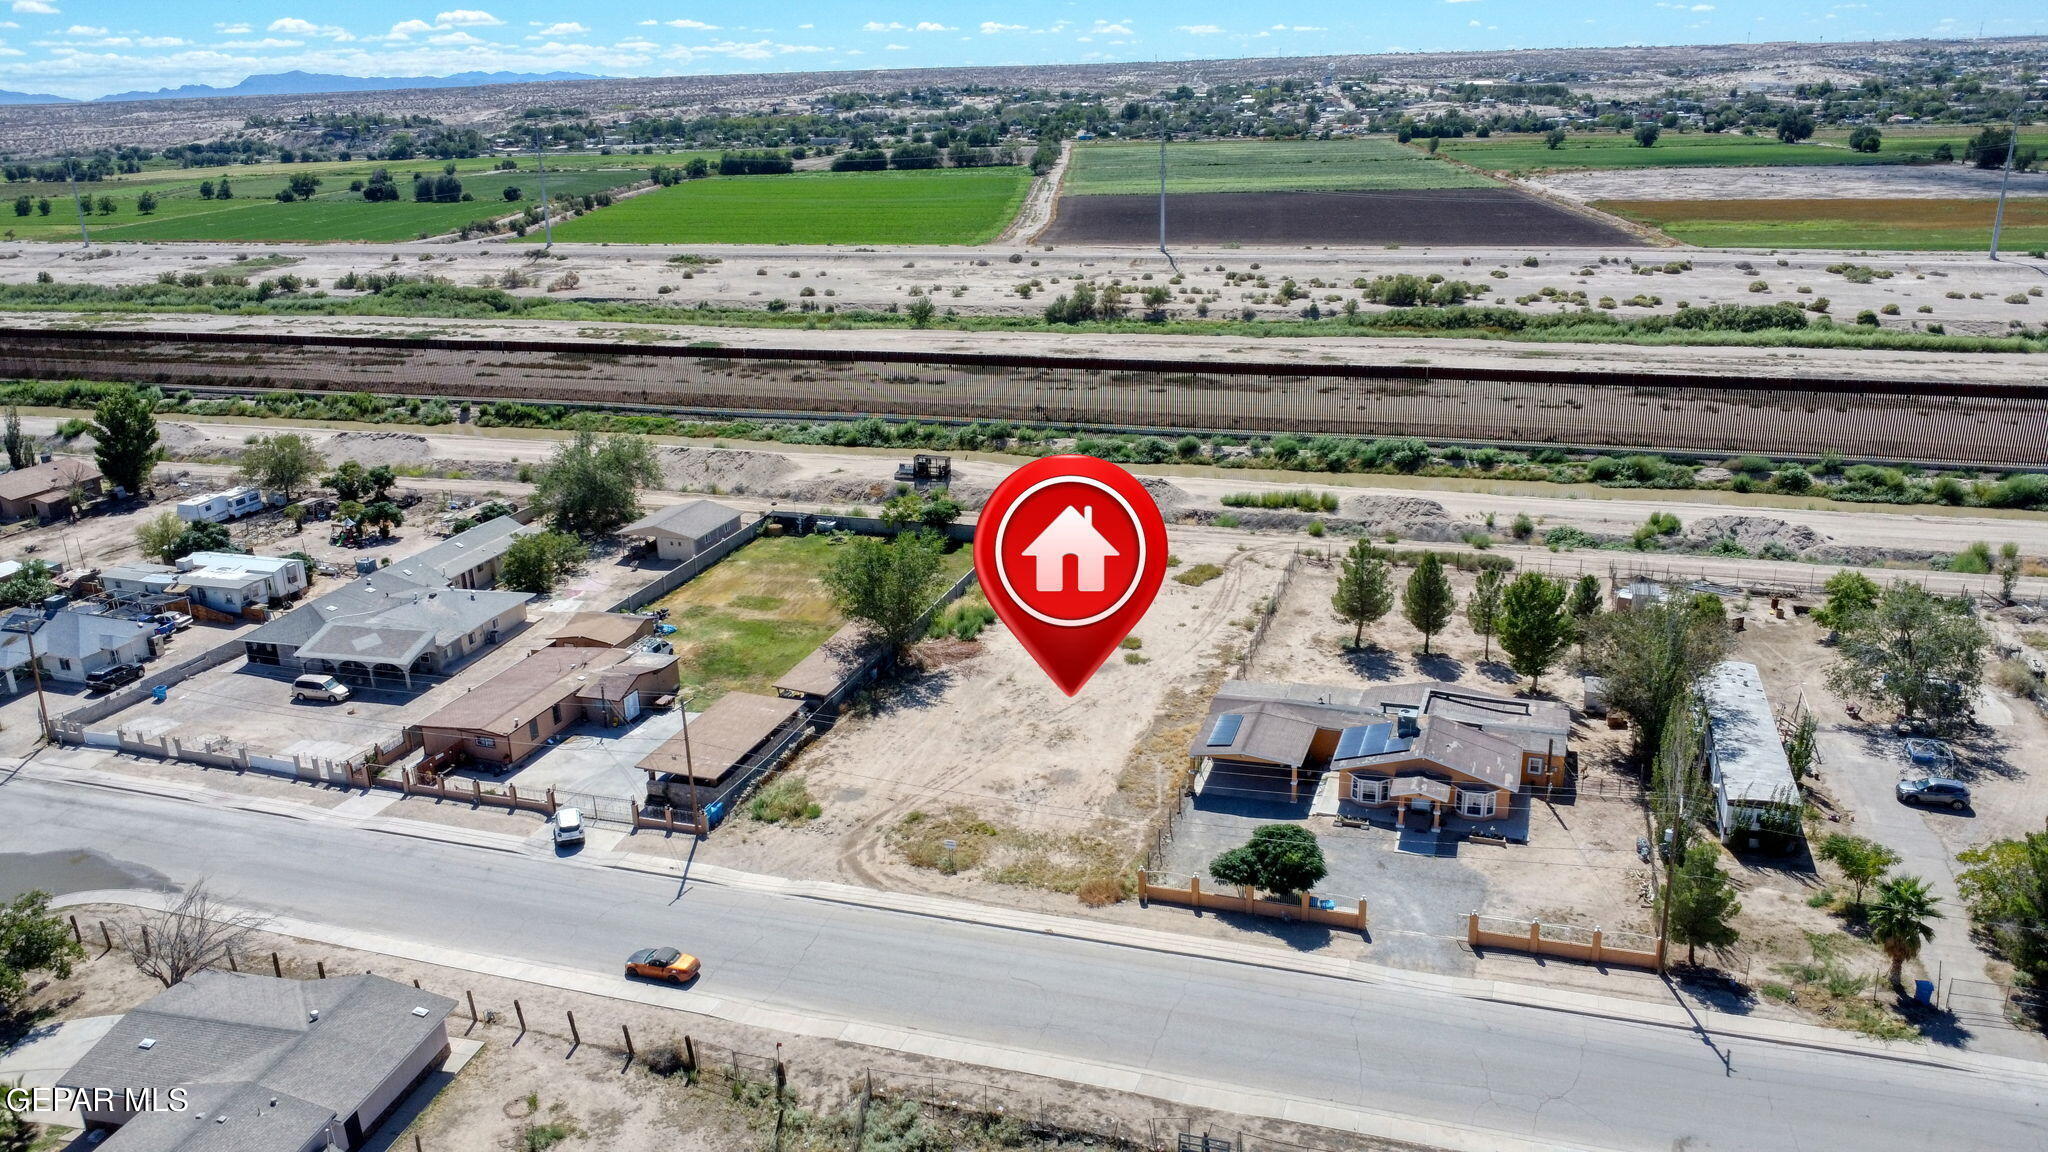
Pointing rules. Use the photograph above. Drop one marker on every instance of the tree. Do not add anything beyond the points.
(30, 585)
(1427, 602)
(1582, 606)
(1652, 657)
(1802, 747)
(146, 203)
(887, 584)
(1912, 651)
(912, 508)
(1700, 908)
(204, 536)
(32, 939)
(2008, 567)
(1554, 139)
(303, 184)
(590, 486)
(383, 515)
(21, 453)
(2005, 887)
(23, 205)
(281, 463)
(349, 481)
(1282, 859)
(1848, 592)
(1794, 125)
(1900, 920)
(1647, 133)
(222, 191)
(158, 534)
(538, 562)
(194, 934)
(1482, 611)
(1364, 590)
(1862, 861)
(512, 193)
(124, 426)
(1865, 139)
(1533, 626)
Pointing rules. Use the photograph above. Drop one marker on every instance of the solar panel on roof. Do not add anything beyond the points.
(1225, 730)
(1366, 740)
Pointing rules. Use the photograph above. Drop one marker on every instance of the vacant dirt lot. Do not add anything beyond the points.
(1457, 216)
(1848, 182)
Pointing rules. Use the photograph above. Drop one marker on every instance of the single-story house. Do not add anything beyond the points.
(515, 713)
(602, 630)
(127, 581)
(44, 490)
(1428, 767)
(1756, 797)
(384, 628)
(469, 559)
(1276, 741)
(71, 643)
(713, 746)
(818, 675)
(680, 531)
(231, 581)
(263, 1063)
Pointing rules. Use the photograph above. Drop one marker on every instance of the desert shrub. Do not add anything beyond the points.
(786, 801)
(1198, 575)
(964, 618)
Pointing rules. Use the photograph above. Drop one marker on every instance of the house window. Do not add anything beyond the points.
(1536, 766)
(555, 712)
(533, 728)
(1369, 789)
(63, 663)
(486, 742)
(1477, 805)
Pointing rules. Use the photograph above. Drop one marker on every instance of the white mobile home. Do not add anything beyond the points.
(220, 507)
(1755, 795)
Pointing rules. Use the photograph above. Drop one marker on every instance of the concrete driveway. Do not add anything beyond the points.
(1864, 763)
(47, 1053)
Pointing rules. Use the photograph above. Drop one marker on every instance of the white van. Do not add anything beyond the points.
(319, 686)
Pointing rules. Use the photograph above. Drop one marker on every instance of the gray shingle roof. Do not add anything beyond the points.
(405, 616)
(691, 520)
(232, 1117)
(79, 635)
(235, 1031)
(463, 551)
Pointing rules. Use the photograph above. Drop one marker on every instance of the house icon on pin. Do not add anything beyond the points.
(1072, 533)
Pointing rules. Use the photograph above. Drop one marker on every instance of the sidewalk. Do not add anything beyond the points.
(1674, 1015)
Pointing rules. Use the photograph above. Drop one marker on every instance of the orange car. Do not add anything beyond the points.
(662, 964)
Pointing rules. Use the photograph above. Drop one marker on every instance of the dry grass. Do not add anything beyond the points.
(1826, 985)
(1092, 864)
(1198, 575)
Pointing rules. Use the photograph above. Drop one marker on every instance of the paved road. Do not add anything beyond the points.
(1424, 1055)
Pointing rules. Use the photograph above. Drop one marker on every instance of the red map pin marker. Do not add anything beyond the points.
(1070, 551)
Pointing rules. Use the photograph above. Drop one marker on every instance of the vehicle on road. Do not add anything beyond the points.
(1935, 790)
(319, 686)
(568, 826)
(662, 964)
(112, 676)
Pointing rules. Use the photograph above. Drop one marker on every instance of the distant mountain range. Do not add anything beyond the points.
(306, 83)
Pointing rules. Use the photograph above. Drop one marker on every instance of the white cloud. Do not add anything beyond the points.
(1702, 8)
(35, 7)
(878, 26)
(160, 42)
(1299, 28)
(1105, 29)
(267, 42)
(699, 25)
(84, 30)
(747, 50)
(293, 26)
(895, 47)
(991, 28)
(456, 37)
(636, 44)
(466, 18)
(932, 26)
(1199, 29)
(407, 29)
(233, 29)
(571, 28)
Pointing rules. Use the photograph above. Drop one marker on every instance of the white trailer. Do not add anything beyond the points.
(220, 507)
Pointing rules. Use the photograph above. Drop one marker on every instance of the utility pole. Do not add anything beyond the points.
(35, 667)
(2012, 142)
(689, 765)
(1165, 131)
(547, 219)
(71, 175)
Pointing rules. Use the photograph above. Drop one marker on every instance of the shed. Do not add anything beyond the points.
(602, 630)
(680, 531)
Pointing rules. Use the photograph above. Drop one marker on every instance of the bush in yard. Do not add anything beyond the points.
(2005, 887)
(1282, 859)
(539, 562)
(786, 801)
(1862, 861)
(33, 939)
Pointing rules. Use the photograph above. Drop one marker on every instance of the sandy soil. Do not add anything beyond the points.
(985, 730)
(1857, 182)
(985, 280)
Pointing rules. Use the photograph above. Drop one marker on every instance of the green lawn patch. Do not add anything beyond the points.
(947, 206)
(1527, 153)
(1260, 166)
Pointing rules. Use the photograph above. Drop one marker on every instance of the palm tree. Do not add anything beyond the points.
(1901, 918)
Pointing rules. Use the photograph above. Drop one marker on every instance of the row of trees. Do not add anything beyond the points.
(1535, 617)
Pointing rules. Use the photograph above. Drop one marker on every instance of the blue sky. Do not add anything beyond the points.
(85, 48)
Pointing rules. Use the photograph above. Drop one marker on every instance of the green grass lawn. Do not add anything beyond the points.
(754, 615)
(946, 206)
(1898, 224)
(334, 212)
(1905, 143)
(1260, 166)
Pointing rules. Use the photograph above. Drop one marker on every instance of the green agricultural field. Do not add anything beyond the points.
(1522, 153)
(1899, 224)
(254, 214)
(1907, 143)
(946, 206)
(1261, 166)
(755, 614)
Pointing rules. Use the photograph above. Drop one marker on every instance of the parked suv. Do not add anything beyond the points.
(319, 687)
(1935, 790)
(568, 826)
(113, 676)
